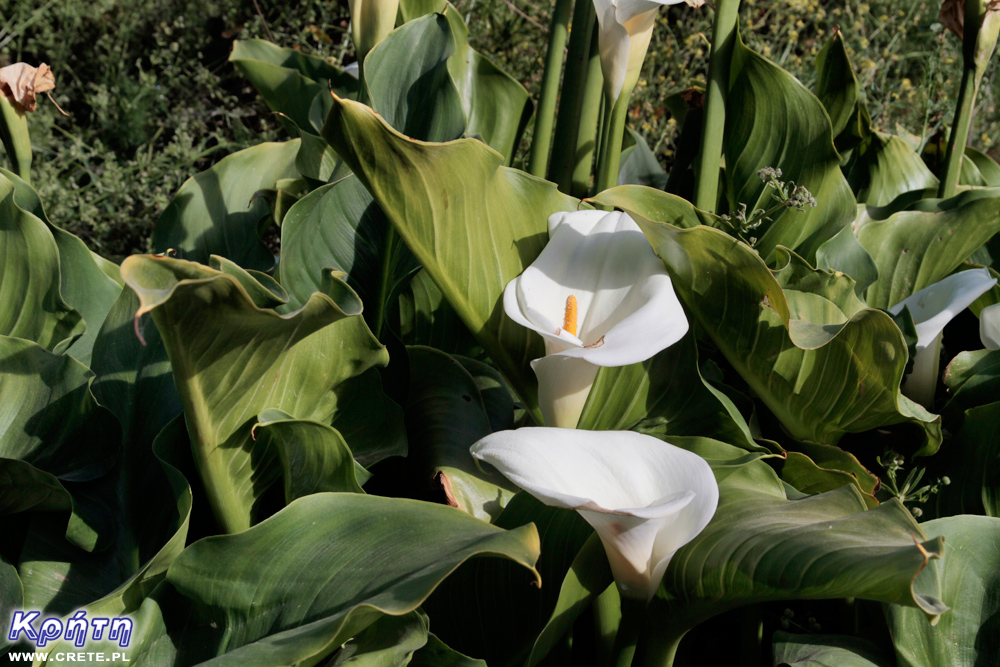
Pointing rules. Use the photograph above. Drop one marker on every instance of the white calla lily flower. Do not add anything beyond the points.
(932, 308)
(644, 497)
(626, 27)
(989, 327)
(371, 22)
(599, 296)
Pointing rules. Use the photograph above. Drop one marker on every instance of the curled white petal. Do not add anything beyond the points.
(645, 498)
(989, 327)
(932, 308)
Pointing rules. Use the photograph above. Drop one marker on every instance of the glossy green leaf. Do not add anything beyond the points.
(772, 120)
(290, 81)
(436, 654)
(917, 248)
(88, 283)
(803, 342)
(31, 304)
(409, 82)
(639, 165)
(845, 253)
(388, 642)
(314, 457)
(472, 239)
(427, 319)
(656, 205)
(973, 379)
(370, 422)
(413, 9)
(232, 360)
(838, 89)
(216, 213)
(339, 226)
(761, 546)
(966, 635)
(491, 609)
(885, 167)
(496, 105)
(984, 170)
(445, 416)
(294, 588)
(801, 650)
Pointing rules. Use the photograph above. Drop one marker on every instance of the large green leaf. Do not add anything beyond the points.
(427, 319)
(639, 165)
(496, 105)
(216, 213)
(294, 588)
(11, 597)
(88, 283)
(885, 167)
(491, 609)
(824, 364)
(838, 89)
(973, 379)
(339, 226)
(967, 635)
(370, 421)
(917, 248)
(761, 546)
(31, 304)
(445, 416)
(794, 650)
(232, 360)
(291, 82)
(473, 224)
(772, 120)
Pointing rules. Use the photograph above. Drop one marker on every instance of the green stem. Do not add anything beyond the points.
(607, 612)
(15, 138)
(591, 112)
(609, 158)
(545, 117)
(633, 618)
(724, 32)
(574, 84)
(959, 133)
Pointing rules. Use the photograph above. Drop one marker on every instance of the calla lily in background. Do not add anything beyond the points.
(625, 29)
(371, 22)
(644, 497)
(599, 296)
(932, 308)
(989, 327)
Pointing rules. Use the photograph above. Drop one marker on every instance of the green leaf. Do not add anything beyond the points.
(656, 205)
(11, 597)
(983, 170)
(496, 105)
(88, 283)
(388, 642)
(838, 89)
(471, 240)
(772, 120)
(973, 379)
(491, 609)
(665, 395)
(409, 82)
(966, 636)
(792, 650)
(31, 304)
(370, 422)
(803, 342)
(917, 248)
(445, 416)
(339, 226)
(232, 360)
(761, 547)
(216, 213)
(413, 9)
(294, 588)
(639, 165)
(885, 167)
(427, 319)
(845, 253)
(291, 82)
(314, 456)
(436, 654)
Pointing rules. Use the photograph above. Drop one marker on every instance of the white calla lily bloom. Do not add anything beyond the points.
(644, 497)
(626, 27)
(932, 308)
(989, 327)
(599, 296)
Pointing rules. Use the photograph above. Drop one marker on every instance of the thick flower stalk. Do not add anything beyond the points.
(932, 308)
(989, 327)
(598, 296)
(644, 497)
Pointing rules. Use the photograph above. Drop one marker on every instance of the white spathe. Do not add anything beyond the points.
(932, 308)
(627, 310)
(371, 22)
(989, 327)
(644, 497)
(626, 27)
